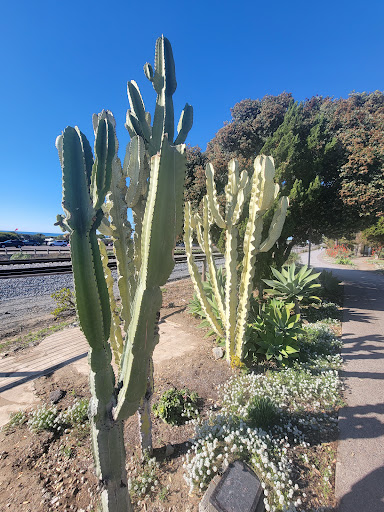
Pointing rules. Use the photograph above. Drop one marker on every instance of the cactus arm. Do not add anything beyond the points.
(137, 169)
(121, 231)
(252, 240)
(165, 189)
(164, 83)
(197, 225)
(91, 296)
(207, 249)
(138, 111)
(276, 225)
(212, 197)
(105, 151)
(134, 169)
(241, 196)
(194, 272)
(264, 190)
(230, 288)
(185, 124)
(116, 337)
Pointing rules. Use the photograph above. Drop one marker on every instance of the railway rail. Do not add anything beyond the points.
(35, 267)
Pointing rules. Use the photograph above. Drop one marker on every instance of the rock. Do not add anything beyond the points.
(218, 352)
(169, 450)
(56, 396)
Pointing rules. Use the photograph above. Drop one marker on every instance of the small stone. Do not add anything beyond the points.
(169, 450)
(56, 395)
(218, 352)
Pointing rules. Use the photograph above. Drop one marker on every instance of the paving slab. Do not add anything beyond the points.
(360, 454)
(69, 347)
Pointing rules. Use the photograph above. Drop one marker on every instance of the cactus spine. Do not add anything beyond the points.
(156, 168)
(261, 191)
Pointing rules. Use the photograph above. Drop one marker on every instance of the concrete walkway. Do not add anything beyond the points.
(360, 458)
(69, 346)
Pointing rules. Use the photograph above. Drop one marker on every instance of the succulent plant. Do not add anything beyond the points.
(261, 191)
(95, 197)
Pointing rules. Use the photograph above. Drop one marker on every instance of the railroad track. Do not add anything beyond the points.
(30, 269)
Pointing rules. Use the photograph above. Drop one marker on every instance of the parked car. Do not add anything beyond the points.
(11, 243)
(59, 243)
(30, 242)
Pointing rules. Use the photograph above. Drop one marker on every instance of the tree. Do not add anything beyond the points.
(358, 124)
(308, 158)
(375, 233)
(195, 188)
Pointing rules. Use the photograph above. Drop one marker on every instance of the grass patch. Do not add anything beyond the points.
(33, 337)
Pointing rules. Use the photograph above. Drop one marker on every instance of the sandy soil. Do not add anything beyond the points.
(43, 472)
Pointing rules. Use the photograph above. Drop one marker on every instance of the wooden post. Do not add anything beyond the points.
(204, 269)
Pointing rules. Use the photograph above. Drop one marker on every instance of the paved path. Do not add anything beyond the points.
(65, 347)
(360, 459)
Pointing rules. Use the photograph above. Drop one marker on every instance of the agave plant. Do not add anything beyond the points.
(273, 332)
(292, 284)
(197, 310)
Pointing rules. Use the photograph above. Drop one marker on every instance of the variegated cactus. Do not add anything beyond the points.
(95, 197)
(261, 191)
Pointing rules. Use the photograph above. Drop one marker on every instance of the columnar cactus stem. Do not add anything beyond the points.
(156, 169)
(84, 187)
(263, 192)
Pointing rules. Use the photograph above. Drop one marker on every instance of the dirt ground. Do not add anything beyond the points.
(44, 472)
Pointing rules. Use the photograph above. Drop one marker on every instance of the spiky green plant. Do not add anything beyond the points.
(196, 309)
(273, 332)
(155, 165)
(233, 305)
(293, 285)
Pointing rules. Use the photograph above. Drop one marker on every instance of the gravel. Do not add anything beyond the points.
(24, 301)
(39, 286)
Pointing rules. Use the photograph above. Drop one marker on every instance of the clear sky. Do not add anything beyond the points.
(61, 61)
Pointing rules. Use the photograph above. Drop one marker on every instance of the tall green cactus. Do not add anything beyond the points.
(156, 170)
(261, 191)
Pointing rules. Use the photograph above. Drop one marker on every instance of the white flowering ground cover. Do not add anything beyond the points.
(295, 449)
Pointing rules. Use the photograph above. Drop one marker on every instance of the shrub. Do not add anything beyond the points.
(342, 260)
(177, 406)
(20, 256)
(144, 477)
(294, 257)
(65, 302)
(323, 311)
(330, 284)
(18, 418)
(44, 418)
(273, 333)
(76, 414)
(339, 251)
(196, 309)
(262, 413)
(293, 285)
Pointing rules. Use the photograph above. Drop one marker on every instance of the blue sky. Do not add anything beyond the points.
(63, 61)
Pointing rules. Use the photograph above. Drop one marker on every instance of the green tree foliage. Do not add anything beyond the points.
(329, 157)
(358, 123)
(195, 188)
(8, 235)
(308, 158)
(375, 233)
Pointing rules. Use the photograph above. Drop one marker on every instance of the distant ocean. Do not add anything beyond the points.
(29, 232)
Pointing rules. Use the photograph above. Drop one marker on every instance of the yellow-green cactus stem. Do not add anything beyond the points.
(262, 191)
